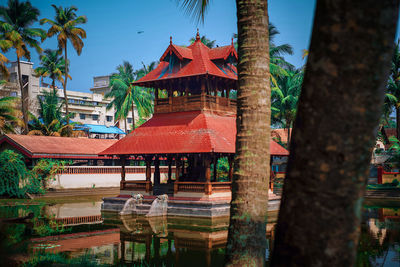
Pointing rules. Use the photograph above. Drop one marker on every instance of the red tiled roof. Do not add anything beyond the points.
(56, 147)
(198, 62)
(183, 132)
(222, 52)
(281, 134)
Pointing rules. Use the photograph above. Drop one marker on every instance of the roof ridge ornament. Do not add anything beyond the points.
(197, 35)
(170, 40)
(232, 42)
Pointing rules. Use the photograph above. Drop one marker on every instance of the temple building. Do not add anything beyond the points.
(193, 128)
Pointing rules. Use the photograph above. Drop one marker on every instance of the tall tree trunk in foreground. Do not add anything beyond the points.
(24, 98)
(65, 82)
(246, 239)
(338, 114)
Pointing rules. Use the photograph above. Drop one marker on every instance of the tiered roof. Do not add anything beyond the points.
(194, 60)
(184, 133)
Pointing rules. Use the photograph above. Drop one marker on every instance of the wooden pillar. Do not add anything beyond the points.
(230, 174)
(157, 171)
(123, 172)
(156, 93)
(207, 163)
(148, 173)
(169, 169)
(123, 251)
(148, 169)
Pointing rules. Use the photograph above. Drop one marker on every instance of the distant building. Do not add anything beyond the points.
(89, 108)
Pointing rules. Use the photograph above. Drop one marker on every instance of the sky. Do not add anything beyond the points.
(113, 31)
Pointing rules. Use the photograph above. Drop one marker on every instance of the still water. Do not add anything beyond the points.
(78, 234)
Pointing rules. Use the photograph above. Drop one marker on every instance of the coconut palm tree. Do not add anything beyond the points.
(393, 87)
(246, 239)
(126, 96)
(65, 27)
(284, 98)
(17, 18)
(9, 115)
(207, 42)
(52, 66)
(51, 122)
(145, 69)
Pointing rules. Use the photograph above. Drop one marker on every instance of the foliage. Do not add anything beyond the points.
(46, 169)
(16, 179)
(124, 94)
(9, 115)
(65, 27)
(284, 98)
(394, 151)
(43, 258)
(52, 65)
(15, 27)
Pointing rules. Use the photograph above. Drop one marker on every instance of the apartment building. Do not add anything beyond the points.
(89, 108)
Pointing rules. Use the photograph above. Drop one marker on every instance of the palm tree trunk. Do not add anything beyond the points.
(341, 100)
(247, 235)
(24, 98)
(133, 116)
(53, 84)
(288, 135)
(65, 82)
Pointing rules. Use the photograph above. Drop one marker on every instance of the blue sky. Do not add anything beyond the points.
(112, 31)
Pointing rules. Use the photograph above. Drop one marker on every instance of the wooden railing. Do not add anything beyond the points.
(108, 169)
(136, 185)
(80, 220)
(202, 187)
(195, 102)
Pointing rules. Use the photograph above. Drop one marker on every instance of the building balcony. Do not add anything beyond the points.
(195, 102)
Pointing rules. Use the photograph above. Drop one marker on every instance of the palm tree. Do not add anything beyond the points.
(51, 122)
(64, 26)
(17, 17)
(145, 69)
(52, 66)
(246, 239)
(207, 42)
(284, 99)
(9, 115)
(126, 96)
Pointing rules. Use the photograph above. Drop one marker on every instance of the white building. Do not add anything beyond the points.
(89, 108)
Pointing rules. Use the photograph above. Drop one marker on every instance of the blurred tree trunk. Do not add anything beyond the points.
(337, 120)
(247, 237)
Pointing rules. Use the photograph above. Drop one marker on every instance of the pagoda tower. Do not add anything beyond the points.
(194, 123)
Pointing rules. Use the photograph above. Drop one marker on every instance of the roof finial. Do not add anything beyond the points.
(232, 41)
(197, 35)
(170, 40)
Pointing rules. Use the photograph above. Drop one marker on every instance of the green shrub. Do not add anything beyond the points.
(14, 176)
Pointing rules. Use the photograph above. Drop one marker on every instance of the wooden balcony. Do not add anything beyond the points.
(202, 187)
(195, 102)
(136, 186)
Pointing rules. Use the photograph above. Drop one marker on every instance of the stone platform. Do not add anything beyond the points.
(182, 207)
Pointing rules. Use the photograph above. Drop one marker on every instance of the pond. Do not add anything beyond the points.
(78, 234)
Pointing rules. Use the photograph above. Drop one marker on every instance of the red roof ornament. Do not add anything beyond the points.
(170, 40)
(197, 35)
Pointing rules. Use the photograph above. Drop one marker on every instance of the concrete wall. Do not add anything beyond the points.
(100, 176)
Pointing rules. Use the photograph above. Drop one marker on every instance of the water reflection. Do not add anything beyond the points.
(78, 234)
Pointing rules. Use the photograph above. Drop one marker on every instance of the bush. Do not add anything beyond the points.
(14, 176)
(16, 180)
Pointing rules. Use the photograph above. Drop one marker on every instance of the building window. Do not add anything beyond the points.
(82, 102)
(71, 101)
(95, 117)
(109, 118)
(82, 116)
(13, 94)
(95, 103)
(129, 120)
